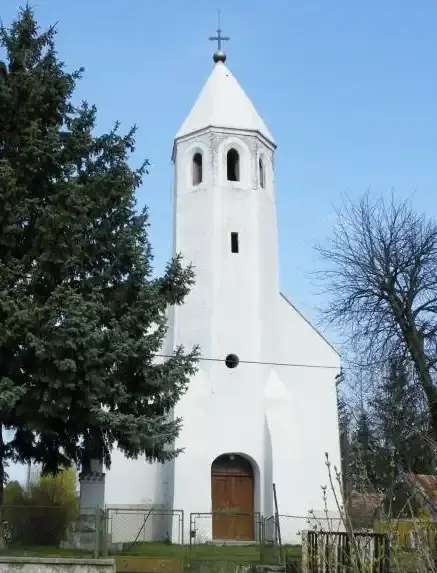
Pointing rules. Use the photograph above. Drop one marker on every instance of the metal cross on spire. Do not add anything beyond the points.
(219, 56)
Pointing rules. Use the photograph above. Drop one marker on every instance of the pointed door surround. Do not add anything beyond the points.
(232, 493)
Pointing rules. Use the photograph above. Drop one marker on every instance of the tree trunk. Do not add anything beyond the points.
(416, 348)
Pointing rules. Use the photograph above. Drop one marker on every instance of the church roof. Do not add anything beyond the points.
(223, 103)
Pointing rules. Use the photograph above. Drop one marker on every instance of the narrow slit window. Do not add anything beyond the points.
(262, 174)
(233, 165)
(234, 243)
(197, 168)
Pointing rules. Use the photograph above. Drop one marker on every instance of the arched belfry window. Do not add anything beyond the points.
(197, 168)
(233, 165)
(262, 173)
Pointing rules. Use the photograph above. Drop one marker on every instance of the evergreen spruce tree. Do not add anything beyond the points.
(391, 435)
(82, 317)
(364, 467)
(401, 424)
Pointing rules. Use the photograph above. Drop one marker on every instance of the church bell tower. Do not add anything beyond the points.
(225, 225)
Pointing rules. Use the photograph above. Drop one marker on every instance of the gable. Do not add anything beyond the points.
(300, 342)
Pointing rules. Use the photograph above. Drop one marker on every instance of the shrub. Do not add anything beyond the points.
(42, 515)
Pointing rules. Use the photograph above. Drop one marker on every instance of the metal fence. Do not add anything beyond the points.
(35, 525)
(37, 528)
(290, 527)
(221, 536)
(55, 529)
(225, 526)
(132, 525)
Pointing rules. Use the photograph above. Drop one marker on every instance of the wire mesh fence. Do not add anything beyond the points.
(36, 526)
(221, 536)
(224, 526)
(133, 525)
(287, 529)
(282, 536)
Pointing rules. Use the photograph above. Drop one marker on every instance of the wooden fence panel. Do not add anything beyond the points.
(339, 552)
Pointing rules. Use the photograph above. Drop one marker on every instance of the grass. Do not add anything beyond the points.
(17, 550)
(208, 552)
(406, 561)
(201, 552)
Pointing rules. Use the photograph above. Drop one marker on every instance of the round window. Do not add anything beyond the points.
(232, 360)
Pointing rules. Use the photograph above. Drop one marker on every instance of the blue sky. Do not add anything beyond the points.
(348, 89)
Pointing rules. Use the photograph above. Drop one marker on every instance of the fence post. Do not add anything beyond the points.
(261, 528)
(262, 539)
(2, 528)
(305, 552)
(104, 533)
(97, 535)
(387, 554)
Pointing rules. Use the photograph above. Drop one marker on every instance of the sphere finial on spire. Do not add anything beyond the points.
(219, 55)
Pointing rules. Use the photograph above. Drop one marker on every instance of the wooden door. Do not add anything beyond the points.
(232, 506)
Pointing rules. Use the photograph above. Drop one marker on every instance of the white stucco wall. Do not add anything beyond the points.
(130, 481)
(301, 406)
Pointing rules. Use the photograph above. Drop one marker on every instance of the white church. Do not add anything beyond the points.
(262, 409)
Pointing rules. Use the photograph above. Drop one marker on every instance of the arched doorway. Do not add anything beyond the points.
(232, 494)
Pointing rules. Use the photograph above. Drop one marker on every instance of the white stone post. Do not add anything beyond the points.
(92, 494)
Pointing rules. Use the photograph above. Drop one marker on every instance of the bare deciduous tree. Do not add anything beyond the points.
(380, 278)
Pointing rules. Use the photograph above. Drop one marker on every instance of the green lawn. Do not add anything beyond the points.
(206, 552)
(201, 552)
(247, 552)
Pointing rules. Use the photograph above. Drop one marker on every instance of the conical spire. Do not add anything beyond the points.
(223, 103)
